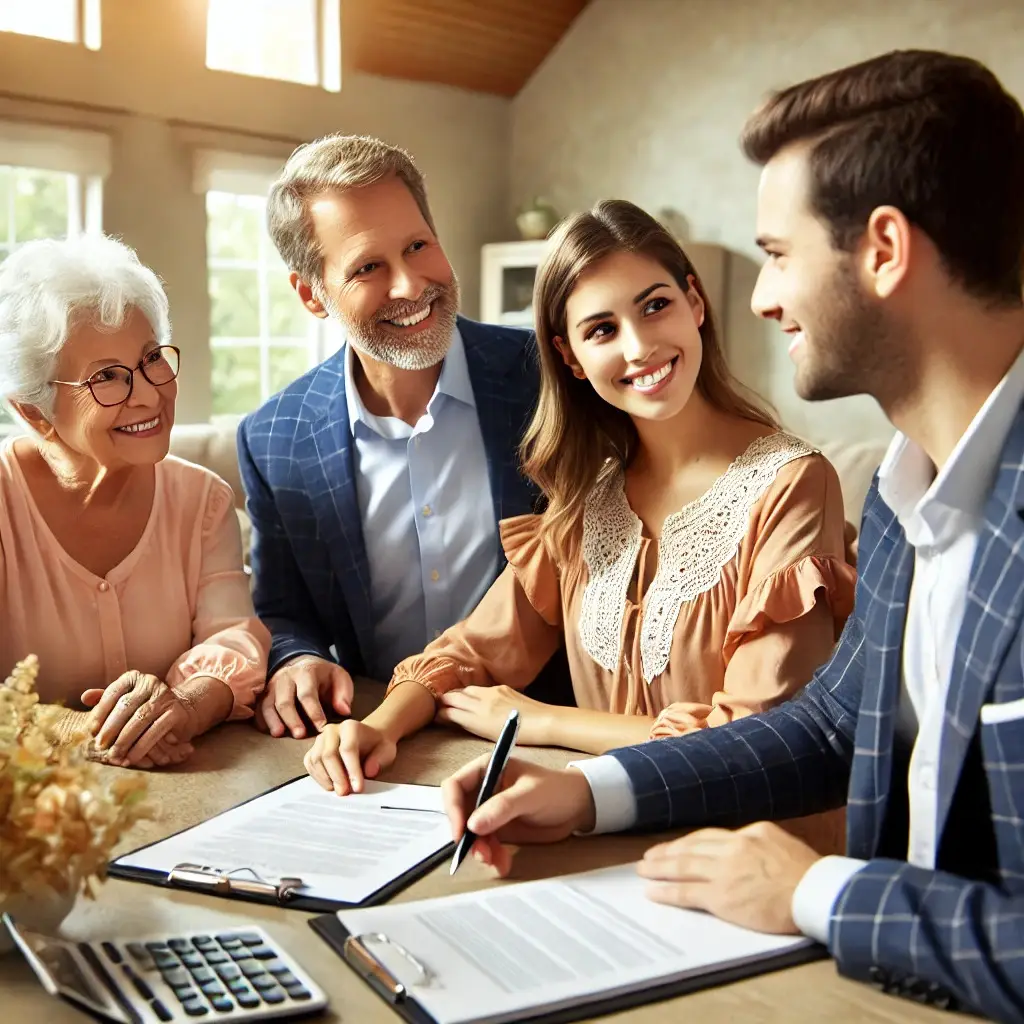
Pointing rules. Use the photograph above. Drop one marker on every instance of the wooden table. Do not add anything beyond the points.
(235, 762)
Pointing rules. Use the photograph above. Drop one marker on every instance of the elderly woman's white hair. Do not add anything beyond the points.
(47, 288)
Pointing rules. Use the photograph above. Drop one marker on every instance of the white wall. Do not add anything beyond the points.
(149, 88)
(644, 100)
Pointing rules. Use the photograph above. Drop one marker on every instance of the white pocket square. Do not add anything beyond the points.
(992, 714)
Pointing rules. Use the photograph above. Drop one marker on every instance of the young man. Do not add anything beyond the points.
(376, 481)
(891, 209)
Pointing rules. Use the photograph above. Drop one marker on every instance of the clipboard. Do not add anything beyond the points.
(354, 950)
(240, 882)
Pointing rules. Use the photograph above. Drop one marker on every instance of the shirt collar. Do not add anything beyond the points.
(935, 509)
(454, 382)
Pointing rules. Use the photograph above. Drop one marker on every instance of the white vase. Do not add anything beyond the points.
(37, 914)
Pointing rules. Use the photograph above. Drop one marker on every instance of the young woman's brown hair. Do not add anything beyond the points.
(575, 434)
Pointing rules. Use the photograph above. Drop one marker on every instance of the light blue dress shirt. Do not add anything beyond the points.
(427, 513)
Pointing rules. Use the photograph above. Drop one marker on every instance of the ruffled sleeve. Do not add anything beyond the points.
(231, 645)
(509, 637)
(797, 592)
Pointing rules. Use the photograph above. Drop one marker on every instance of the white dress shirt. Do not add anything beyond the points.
(427, 514)
(940, 516)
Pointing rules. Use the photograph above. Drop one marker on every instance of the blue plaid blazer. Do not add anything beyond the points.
(311, 578)
(933, 935)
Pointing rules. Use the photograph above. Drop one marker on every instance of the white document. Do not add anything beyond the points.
(506, 953)
(343, 848)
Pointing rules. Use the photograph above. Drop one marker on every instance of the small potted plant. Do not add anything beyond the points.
(60, 814)
(536, 220)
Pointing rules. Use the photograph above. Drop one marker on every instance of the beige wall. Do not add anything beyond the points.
(644, 100)
(149, 88)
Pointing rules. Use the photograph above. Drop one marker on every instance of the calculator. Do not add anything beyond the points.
(232, 975)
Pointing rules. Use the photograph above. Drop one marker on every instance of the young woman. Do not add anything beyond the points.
(691, 557)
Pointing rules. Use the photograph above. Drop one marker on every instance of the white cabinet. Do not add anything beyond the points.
(508, 270)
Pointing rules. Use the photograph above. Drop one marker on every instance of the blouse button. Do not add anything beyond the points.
(103, 587)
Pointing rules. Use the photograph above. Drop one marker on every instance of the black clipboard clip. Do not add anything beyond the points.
(227, 883)
(359, 956)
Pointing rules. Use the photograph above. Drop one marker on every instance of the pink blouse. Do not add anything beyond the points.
(178, 606)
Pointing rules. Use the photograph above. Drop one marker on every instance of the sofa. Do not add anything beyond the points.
(213, 445)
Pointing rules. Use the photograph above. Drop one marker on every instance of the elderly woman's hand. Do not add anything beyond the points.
(139, 720)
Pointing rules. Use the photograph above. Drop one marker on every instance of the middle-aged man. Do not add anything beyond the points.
(375, 482)
(891, 209)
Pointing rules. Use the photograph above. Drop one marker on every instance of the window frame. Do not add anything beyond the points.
(87, 27)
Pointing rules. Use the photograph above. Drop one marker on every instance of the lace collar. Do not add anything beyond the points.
(696, 543)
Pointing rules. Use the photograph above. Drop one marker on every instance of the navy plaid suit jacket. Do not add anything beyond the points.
(311, 579)
(933, 935)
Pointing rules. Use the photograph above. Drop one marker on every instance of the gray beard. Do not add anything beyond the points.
(421, 351)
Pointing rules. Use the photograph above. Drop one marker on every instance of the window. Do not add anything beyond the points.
(294, 40)
(51, 183)
(67, 21)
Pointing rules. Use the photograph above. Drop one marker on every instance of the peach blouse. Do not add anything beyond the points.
(178, 606)
(678, 628)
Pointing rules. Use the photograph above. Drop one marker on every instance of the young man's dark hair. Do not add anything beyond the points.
(932, 134)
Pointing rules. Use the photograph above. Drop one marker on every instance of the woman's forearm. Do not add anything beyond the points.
(593, 732)
(208, 700)
(405, 710)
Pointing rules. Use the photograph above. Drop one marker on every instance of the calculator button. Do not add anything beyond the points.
(153, 947)
(180, 945)
(242, 953)
(161, 1011)
(222, 1003)
(286, 978)
(140, 986)
(203, 942)
(229, 942)
(239, 987)
(186, 994)
(250, 967)
(138, 952)
(297, 992)
(262, 981)
(177, 978)
(195, 1008)
(216, 957)
(192, 960)
(163, 961)
(273, 995)
(247, 1000)
(262, 952)
(212, 988)
(111, 950)
(228, 971)
(202, 974)
(275, 967)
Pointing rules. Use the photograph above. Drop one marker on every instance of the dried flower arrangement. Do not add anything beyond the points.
(60, 814)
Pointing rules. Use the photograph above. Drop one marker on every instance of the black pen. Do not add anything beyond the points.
(499, 758)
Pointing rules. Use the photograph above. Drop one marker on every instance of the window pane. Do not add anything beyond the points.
(235, 380)
(234, 225)
(52, 19)
(40, 204)
(6, 181)
(267, 38)
(234, 303)
(287, 364)
(288, 317)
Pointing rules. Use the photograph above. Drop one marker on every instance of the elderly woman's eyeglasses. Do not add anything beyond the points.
(113, 385)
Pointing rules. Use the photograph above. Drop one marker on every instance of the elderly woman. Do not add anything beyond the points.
(120, 567)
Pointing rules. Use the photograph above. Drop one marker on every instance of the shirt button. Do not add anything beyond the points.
(427, 510)
(103, 587)
(435, 575)
(927, 778)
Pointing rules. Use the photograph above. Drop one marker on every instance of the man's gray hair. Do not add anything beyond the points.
(334, 163)
(47, 288)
